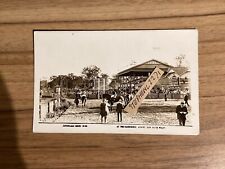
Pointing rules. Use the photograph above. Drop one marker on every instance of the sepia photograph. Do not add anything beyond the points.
(116, 81)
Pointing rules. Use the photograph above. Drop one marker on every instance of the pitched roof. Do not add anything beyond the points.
(144, 67)
(180, 70)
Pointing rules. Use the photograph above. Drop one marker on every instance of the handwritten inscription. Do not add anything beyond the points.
(135, 103)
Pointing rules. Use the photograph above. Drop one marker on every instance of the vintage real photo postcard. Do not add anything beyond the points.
(116, 81)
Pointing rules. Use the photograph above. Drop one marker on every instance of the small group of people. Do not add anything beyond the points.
(104, 110)
(82, 96)
(181, 111)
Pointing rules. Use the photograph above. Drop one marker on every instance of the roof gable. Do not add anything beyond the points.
(151, 64)
(180, 70)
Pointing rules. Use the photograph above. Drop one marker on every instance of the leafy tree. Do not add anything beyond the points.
(104, 75)
(53, 78)
(78, 81)
(91, 72)
(54, 81)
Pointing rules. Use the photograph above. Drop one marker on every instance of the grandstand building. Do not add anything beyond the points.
(174, 82)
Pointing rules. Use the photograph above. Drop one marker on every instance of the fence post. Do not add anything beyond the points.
(39, 112)
(48, 109)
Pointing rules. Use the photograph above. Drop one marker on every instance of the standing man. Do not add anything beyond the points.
(165, 96)
(186, 99)
(83, 98)
(103, 111)
(181, 111)
(76, 101)
(119, 108)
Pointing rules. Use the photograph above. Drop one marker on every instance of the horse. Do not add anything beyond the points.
(111, 99)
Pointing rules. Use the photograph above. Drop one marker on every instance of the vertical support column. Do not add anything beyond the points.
(48, 107)
(103, 86)
(54, 107)
(59, 97)
(98, 88)
(130, 83)
(48, 111)
(94, 84)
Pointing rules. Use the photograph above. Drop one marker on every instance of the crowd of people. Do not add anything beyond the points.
(120, 100)
(107, 104)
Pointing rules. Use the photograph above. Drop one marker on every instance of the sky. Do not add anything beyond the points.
(64, 52)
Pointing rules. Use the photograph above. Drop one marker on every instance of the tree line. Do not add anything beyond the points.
(84, 81)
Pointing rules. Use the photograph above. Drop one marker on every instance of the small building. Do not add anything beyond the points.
(179, 76)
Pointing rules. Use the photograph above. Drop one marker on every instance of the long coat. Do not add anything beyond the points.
(119, 108)
(180, 109)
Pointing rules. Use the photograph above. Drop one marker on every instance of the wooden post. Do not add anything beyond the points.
(39, 112)
(98, 88)
(48, 110)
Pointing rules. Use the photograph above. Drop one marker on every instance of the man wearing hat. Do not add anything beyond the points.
(181, 111)
(119, 109)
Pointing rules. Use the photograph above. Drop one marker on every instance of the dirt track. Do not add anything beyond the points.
(153, 112)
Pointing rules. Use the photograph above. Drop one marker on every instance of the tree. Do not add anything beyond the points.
(115, 82)
(91, 72)
(74, 81)
(54, 81)
(53, 78)
(71, 80)
(104, 75)
(78, 81)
